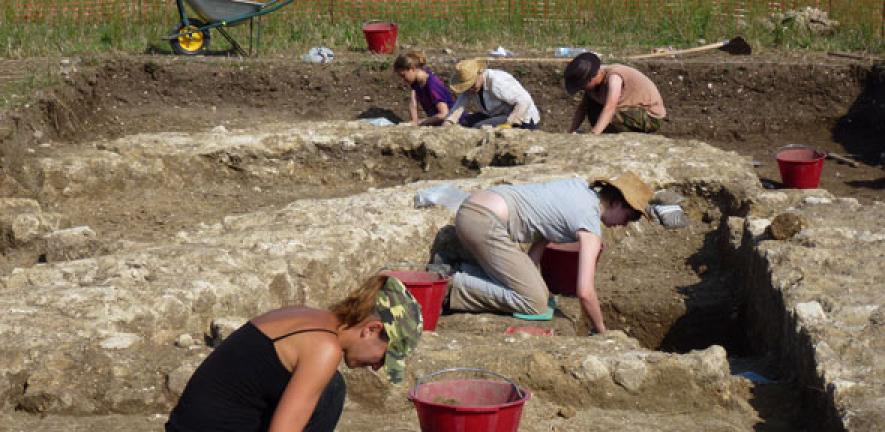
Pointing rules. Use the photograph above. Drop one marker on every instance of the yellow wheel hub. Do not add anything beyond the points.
(190, 39)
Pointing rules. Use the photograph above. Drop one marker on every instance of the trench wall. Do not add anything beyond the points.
(814, 301)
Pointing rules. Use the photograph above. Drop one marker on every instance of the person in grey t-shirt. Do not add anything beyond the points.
(492, 223)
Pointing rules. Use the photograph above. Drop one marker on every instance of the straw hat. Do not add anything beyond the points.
(466, 72)
(635, 191)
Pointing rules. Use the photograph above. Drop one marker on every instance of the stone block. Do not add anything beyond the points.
(810, 312)
(630, 374)
(71, 244)
(25, 227)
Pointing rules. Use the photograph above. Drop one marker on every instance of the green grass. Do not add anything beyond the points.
(16, 92)
(604, 24)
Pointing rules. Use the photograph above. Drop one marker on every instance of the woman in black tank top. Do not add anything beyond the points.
(279, 370)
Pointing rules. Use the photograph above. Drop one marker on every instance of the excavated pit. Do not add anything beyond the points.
(243, 204)
(661, 289)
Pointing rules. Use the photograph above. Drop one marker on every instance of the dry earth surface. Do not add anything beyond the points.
(146, 198)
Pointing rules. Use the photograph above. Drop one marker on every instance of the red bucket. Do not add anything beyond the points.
(559, 267)
(468, 405)
(380, 36)
(800, 166)
(428, 288)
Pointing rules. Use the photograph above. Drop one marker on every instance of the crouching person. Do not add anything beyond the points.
(278, 372)
(617, 98)
(492, 224)
(500, 99)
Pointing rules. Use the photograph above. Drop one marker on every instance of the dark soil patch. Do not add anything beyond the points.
(750, 107)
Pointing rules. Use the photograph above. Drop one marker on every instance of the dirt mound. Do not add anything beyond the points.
(751, 107)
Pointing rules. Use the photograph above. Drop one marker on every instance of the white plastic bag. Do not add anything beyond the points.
(319, 55)
(446, 195)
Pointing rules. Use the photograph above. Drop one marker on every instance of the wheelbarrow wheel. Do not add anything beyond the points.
(191, 40)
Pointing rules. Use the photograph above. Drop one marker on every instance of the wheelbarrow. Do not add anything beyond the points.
(191, 36)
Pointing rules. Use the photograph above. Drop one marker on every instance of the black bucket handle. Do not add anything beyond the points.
(420, 380)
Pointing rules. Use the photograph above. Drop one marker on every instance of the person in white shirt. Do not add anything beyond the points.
(501, 100)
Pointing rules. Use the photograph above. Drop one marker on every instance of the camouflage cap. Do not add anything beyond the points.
(402, 320)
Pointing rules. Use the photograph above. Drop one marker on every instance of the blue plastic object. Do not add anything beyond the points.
(546, 316)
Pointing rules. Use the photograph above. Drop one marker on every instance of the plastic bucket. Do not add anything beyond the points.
(468, 405)
(380, 36)
(559, 267)
(428, 288)
(800, 166)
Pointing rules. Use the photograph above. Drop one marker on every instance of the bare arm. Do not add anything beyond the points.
(579, 116)
(590, 245)
(442, 111)
(315, 368)
(457, 109)
(613, 95)
(413, 107)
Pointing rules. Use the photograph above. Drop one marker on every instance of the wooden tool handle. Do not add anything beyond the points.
(840, 158)
(526, 59)
(711, 46)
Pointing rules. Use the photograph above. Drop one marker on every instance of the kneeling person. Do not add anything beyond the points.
(501, 99)
(493, 223)
(617, 98)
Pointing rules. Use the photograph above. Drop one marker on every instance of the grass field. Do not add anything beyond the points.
(68, 27)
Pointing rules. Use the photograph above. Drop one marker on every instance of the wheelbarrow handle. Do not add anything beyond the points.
(420, 380)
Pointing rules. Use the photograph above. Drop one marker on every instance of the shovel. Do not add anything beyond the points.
(737, 46)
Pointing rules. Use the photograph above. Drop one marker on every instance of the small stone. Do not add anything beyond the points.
(347, 144)
(711, 363)
(566, 412)
(220, 129)
(71, 244)
(813, 200)
(630, 374)
(120, 341)
(810, 312)
(592, 369)
(536, 150)
(184, 341)
(757, 226)
(367, 98)
(786, 225)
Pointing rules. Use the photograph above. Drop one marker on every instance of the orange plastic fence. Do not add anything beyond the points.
(847, 11)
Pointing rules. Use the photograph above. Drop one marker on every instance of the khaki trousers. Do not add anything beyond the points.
(508, 282)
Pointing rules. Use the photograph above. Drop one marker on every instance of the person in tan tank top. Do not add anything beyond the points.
(617, 98)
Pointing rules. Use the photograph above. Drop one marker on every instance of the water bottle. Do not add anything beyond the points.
(568, 51)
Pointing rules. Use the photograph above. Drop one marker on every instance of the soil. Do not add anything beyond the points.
(681, 298)
(726, 101)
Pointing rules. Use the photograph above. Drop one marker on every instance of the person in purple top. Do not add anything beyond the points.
(427, 89)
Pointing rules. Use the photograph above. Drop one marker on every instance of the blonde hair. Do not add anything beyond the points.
(360, 303)
(410, 60)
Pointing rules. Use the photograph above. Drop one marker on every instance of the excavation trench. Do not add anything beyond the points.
(676, 292)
